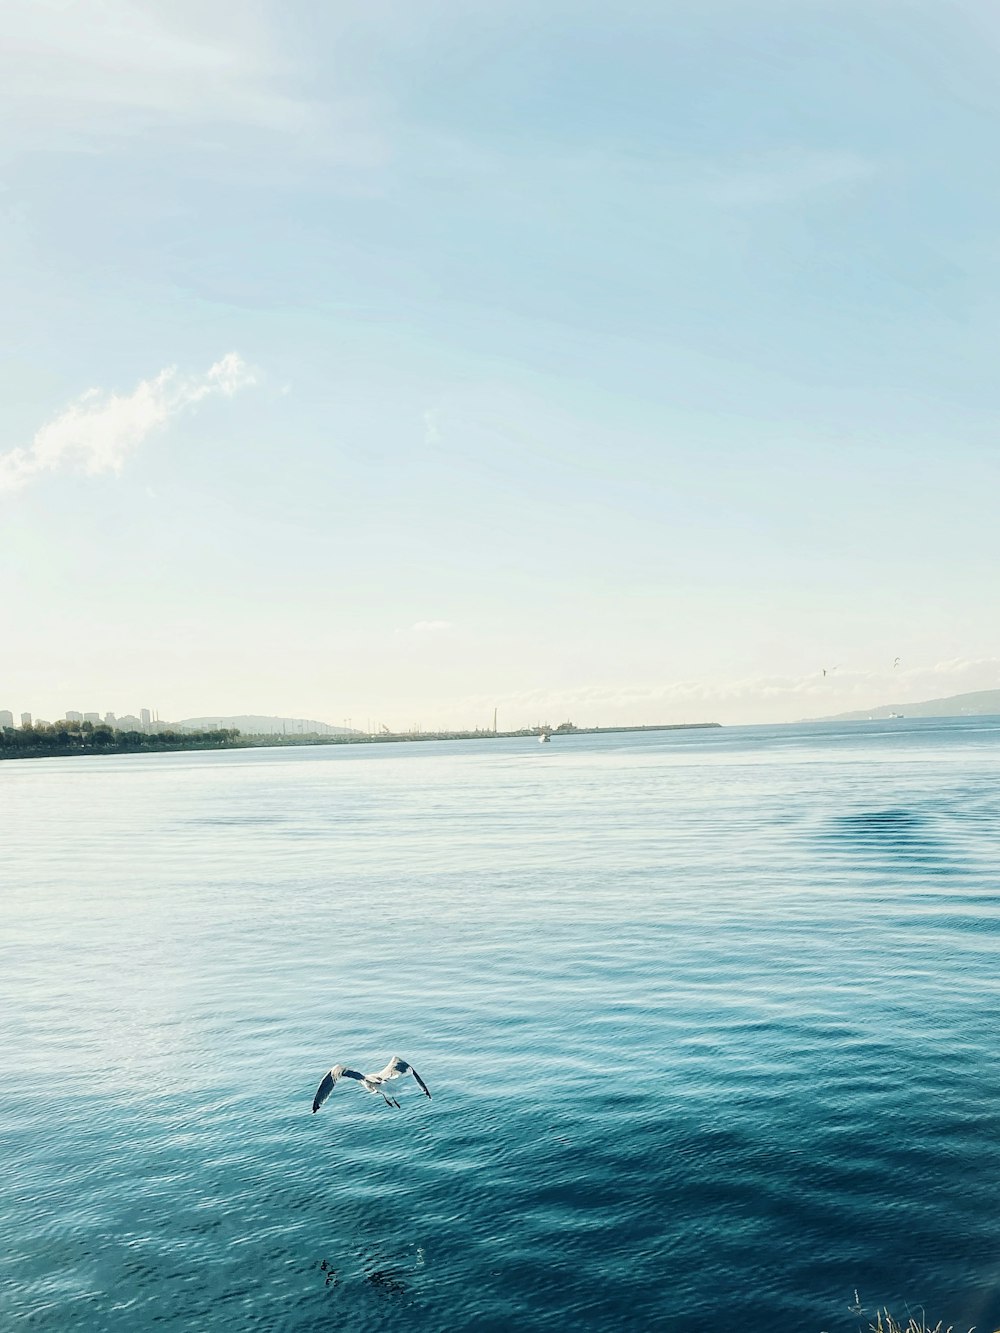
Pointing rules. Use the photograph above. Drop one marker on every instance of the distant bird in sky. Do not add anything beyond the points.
(827, 670)
(895, 663)
(370, 1082)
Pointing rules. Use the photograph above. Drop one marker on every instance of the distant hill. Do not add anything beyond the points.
(253, 724)
(982, 703)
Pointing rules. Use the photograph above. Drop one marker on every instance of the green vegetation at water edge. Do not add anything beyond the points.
(61, 738)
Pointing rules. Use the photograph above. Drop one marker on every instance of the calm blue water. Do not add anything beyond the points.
(710, 1020)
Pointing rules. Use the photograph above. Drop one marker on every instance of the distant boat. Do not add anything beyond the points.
(897, 714)
(544, 737)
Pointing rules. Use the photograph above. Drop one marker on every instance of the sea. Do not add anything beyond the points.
(710, 1020)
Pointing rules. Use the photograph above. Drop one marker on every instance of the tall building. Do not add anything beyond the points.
(73, 717)
(92, 717)
(25, 719)
(6, 718)
(110, 720)
(145, 717)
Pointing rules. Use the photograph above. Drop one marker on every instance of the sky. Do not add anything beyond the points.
(622, 362)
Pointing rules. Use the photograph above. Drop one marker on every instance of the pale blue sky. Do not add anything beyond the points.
(623, 362)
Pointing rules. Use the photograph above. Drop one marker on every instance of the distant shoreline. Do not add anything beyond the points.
(156, 744)
(523, 733)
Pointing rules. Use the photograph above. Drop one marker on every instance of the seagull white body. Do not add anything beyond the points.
(370, 1082)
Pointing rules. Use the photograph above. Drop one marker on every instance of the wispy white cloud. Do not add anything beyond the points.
(780, 177)
(150, 59)
(100, 430)
(432, 427)
(225, 80)
(430, 626)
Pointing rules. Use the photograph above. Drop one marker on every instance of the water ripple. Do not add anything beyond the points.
(709, 1023)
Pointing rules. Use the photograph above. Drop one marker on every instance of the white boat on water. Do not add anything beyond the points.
(544, 738)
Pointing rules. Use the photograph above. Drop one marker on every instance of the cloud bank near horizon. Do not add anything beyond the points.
(794, 697)
(99, 431)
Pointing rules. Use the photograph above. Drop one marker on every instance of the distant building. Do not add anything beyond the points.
(110, 720)
(25, 719)
(145, 717)
(6, 718)
(129, 723)
(74, 717)
(92, 717)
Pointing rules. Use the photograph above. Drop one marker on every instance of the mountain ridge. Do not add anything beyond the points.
(260, 724)
(979, 703)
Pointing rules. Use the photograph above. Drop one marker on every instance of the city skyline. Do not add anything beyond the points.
(621, 365)
(149, 720)
(145, 718)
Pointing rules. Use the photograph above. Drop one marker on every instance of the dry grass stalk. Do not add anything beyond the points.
(885, 1323)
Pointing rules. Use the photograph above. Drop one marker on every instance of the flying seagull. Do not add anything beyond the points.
(370, 1082)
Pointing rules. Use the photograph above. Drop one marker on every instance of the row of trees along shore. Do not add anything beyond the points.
(57, 738)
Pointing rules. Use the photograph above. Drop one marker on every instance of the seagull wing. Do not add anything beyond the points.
(397, 1066)
(329, 1082)
(426, 1089)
